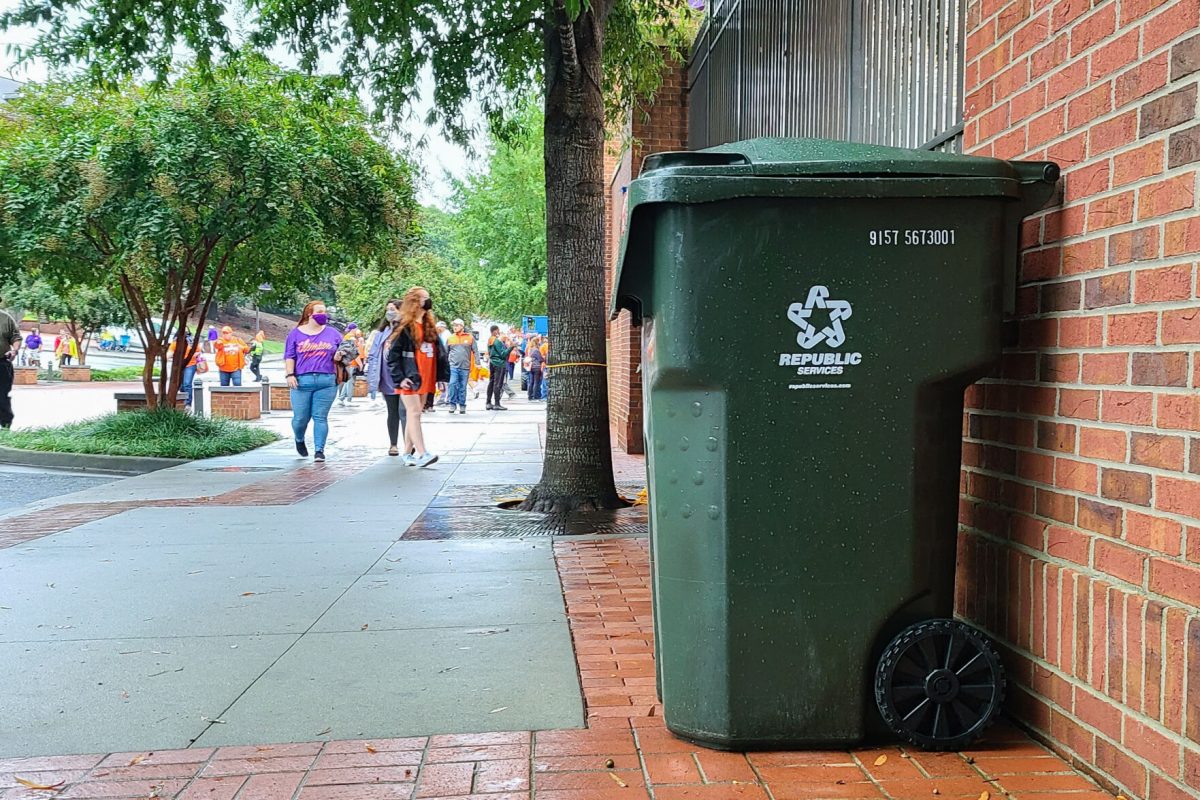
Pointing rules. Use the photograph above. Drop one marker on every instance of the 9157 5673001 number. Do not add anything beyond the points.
(912, 237)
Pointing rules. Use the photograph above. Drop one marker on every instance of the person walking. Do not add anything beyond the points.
(194, 364)
(534, 362)
(379, 376)
(442, 397)
(348, 357)
(308, 363)
(66, 349)
(10, 346)
(460, 347)
(212, 339)
(545, 350)
(31, 356)
(230, 357)
(417, 364)
(514, 358)
(498, 353)
(257, 348)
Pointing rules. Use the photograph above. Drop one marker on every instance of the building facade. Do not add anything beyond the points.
(1079, 528)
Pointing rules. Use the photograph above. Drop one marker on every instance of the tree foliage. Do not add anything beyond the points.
(84, 309)
(492, 51)
(362, 293)
(206, 188)
(500, 218)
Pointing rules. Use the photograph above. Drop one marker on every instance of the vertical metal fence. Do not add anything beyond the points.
(878, 71)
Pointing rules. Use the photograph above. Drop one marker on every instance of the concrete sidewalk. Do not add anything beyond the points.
(264, 598)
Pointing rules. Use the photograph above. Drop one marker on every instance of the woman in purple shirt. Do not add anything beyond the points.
(308, 359)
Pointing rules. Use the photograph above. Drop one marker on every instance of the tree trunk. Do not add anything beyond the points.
(577, 474)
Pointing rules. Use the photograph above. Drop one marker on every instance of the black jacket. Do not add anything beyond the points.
(402, 360)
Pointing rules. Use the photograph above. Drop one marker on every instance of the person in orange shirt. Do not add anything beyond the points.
(230, 357)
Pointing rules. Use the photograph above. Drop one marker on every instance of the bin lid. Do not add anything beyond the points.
(783, 158)
(781, 168)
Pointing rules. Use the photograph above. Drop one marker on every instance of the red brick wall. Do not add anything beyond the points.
(236, 404)
(1080, 546)
(654, 127)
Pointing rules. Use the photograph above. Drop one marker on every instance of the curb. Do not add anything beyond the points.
(87, 462)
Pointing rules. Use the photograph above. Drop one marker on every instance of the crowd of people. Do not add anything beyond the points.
(412, 361)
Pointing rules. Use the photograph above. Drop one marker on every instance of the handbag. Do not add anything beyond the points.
(201, 366)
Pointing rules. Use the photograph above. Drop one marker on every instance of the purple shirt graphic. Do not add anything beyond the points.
(312, 352)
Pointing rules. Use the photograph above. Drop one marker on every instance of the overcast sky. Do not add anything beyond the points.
(436, 155)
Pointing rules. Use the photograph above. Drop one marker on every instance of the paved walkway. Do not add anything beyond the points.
(269, 636)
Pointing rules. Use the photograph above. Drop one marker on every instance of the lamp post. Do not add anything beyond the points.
(262, 287)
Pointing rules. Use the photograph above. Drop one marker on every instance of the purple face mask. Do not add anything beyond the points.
(320, 319)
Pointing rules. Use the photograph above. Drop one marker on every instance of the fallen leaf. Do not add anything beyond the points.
(879, 762)
(371, 749)
(408, 773)
(840, 782)
(38, 786)
(364, 627)
(247, 594)
(985, 795)
(617, 778)
(133, 762)
(937, 791)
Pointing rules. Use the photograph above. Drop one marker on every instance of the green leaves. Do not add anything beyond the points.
(500, 222)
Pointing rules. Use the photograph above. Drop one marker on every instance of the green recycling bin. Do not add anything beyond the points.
(811, 314)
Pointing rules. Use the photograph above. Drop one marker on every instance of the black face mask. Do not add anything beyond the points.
(428, 304)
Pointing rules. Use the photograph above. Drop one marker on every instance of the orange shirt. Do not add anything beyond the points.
(231, 354)
(426, 356)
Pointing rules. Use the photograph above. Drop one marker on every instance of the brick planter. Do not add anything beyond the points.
(25, 376)
(360, 387)
(281, 397)
(77, 374)
(136, 401)
(236, 402)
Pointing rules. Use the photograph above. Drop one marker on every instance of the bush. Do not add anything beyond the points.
(162, 433)
(119, 374)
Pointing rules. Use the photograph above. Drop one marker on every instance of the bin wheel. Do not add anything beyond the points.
(939, 684)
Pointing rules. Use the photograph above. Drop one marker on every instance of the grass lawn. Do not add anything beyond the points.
(163, 433)
(272, 347)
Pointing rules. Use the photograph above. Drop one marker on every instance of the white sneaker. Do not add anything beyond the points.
(410, 460)
(426, 460)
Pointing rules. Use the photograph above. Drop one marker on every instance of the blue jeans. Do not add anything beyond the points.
(234, 377)
(346, 390)
(311, 400)
(457, 392)
(189, 375)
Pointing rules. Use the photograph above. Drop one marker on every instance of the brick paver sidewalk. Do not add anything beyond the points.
(626, 753)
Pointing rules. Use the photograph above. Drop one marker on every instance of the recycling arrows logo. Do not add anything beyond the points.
(810, 336)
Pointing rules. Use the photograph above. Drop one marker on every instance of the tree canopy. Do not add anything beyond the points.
(206, 188)
(428, 261)
(500, 218)
(482, 49)
(84, 309)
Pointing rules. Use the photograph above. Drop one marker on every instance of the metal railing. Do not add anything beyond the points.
(877, 71)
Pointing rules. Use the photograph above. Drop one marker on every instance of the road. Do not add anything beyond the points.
(25, 485)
